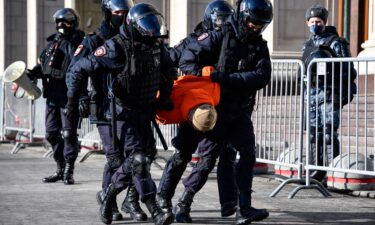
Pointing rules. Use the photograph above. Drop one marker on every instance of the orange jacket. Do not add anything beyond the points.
(188, 92)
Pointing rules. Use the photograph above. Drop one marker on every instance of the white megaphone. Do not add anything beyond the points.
(15, 72)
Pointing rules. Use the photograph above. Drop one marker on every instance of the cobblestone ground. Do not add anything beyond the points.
(24, 199)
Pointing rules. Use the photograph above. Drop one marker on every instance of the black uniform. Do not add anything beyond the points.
(325, 97)
(135, 96)
(54, 62)
(98, 97)
(186, 142)
(244, 67)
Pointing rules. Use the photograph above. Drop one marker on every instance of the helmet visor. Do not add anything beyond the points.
(218, 20)
(152, 25)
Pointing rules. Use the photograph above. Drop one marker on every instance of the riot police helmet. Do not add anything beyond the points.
(146, 21)
(254, 16)
(320, 52)
(115, 11)
(317, 11)
(66, 19)
(216, 14)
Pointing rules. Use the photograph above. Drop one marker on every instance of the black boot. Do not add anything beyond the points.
(165, 204)
(68, 172)
(116, 213)
(159, 217)
(131, 205)
(106, 209)
(182, 209)
(245, 214)
(58, 175)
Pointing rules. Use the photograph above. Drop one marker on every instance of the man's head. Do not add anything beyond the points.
(253, 17)
(115, 11)
(316, 19)
(203, 117)
(216, 14)
(67, 20)
(146, 22)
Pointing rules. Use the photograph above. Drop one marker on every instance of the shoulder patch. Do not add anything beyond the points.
(78, 50)
(202, 37)
(100, 51)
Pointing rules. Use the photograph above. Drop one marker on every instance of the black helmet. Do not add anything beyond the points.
(317, 11)
(67, 15)
(108, 6)
(147, 21)
(322, 51)
(216, 13)
(258, 12)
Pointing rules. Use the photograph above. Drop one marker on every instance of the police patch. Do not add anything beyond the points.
(78, 50)
(100, 51)
(202, 37)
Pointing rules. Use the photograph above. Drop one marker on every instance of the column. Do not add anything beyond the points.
(178, 21)
(2, 36)
(369, 45)
(32, 33)
(70, 4)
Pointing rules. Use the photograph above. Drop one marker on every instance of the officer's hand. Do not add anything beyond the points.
(71, 108)
(30, 75)
(84, 106)
(216, 76)
(164, 103)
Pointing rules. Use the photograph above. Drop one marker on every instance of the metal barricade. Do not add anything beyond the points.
(346, 148)
(277, 120)
(18, 119)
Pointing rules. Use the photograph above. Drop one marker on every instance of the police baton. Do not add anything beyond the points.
(160, 134)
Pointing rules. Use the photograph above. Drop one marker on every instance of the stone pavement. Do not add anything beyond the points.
(25, 200)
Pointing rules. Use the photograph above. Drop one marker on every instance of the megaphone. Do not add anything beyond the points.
(15, 72)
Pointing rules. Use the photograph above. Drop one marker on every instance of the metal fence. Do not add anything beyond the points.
(354, 151)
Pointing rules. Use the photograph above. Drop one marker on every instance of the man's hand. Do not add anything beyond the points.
(71, 109)
(84, 106)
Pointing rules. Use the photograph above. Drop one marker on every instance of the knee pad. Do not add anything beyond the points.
(247, 154)
(139, 164)
(115, 162)
(70, 136)
(53, 137)
(180, 157)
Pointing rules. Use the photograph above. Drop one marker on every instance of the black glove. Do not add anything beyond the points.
(216, 76)
(71, 109)
(84, 106)
(30, 74)
(164, 103)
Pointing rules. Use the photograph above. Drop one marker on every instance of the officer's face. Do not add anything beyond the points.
(254, 27)
(120, 13)
(315, 21)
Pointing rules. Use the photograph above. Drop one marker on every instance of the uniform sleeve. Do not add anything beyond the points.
(176, 51)
(341, 48)
(203, 51)
(168, 72)
(255, 79)
(106, 58)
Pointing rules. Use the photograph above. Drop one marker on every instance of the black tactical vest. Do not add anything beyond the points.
(237, 57)
(137, 85)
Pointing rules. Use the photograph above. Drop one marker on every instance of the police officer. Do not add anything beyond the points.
(140, 64)
(114, 13)
(52, 66)
(186, 141)
(325, 42)
(243, 65)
